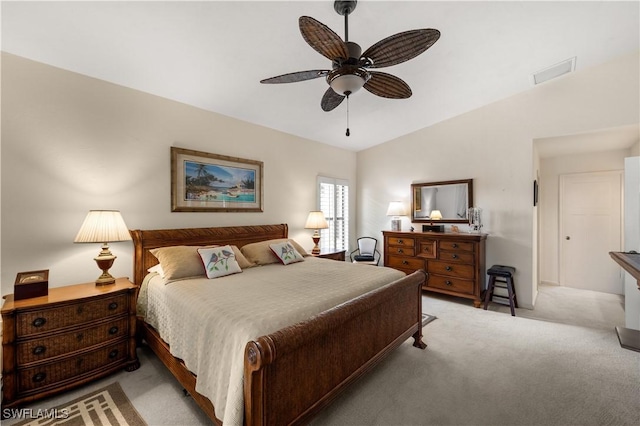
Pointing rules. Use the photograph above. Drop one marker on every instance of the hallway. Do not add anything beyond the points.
(568, 305)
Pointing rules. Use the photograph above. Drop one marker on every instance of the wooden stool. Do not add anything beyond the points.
(501, 274)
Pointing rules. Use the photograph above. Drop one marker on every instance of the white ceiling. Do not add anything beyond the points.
(212, 54)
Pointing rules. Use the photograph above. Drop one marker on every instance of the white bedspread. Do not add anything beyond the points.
(208, 322)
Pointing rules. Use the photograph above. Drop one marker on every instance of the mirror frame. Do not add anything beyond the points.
(419, 186)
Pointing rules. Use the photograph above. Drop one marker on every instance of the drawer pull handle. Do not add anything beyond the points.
(79, 336)
(454, 245)
(39, 350)
(80, 309)
(113, 305)
(404, 262)
(79, 362)
(39, 377)
(400, 250)
(400, 241)
(448, 268)
(113, 353)
(447, 282)
(113, 330)
(455, 256)
(39, 322)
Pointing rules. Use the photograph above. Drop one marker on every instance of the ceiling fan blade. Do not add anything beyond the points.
(387, 86)
(294, 77)
(323, 39)
(400, 47)
(330, 100)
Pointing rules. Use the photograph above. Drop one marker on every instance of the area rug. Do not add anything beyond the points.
(108, 406)
(426, 319)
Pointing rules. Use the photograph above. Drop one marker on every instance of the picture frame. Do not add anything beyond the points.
(206, 182)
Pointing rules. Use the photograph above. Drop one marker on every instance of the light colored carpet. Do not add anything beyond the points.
(108, 406)
(560, 364)
(488, 368)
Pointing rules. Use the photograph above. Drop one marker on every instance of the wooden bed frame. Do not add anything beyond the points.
(291, 374)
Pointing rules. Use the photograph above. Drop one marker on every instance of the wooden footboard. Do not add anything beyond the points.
(294, 372)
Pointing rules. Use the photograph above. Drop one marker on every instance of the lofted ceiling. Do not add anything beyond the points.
(212, 54)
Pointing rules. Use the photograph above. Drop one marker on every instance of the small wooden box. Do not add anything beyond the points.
(31, 284)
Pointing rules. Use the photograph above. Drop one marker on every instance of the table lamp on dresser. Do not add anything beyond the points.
(103, 226)
(396, 209)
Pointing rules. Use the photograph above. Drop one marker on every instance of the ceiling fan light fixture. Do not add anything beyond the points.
(347, 80)
(347, 84)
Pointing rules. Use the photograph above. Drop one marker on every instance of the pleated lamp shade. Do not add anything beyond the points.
(103, 226)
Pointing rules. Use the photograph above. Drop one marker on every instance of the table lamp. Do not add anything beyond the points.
(435, 215)
(103, 226)
(316, 221)
(396, 209)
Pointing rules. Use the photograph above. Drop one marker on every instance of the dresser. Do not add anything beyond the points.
(73, 335)
(454, 262)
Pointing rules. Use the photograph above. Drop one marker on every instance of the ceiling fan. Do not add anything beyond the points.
(351, 68)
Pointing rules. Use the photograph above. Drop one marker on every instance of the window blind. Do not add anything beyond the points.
(333, 201)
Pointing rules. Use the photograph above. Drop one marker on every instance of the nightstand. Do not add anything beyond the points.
(72, 336)
(331, 254)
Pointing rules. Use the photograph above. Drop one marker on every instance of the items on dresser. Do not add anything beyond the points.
(31, 284)
(72, 336)
(454, 262)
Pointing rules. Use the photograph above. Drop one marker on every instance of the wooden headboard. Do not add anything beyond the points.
(145, 240)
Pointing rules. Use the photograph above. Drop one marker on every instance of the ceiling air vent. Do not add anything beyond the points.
(554, 71)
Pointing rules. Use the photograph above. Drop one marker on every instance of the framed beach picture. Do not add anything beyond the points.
(204, 182)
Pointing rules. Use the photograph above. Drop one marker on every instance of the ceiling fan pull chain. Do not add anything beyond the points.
(348, 132)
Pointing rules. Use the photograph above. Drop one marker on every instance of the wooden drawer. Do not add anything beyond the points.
(451, 269)
(456, 256)
(52, 373)
(39, 321)
(401, 241)
(406, 263)
(43, 348)
(427, 248)
(456, 245)
(402, 251)
(457, 285)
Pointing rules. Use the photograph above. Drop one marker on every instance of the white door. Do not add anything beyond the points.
(590, 227)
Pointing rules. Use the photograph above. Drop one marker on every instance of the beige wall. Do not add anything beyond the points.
(494, 146)
(71, 143)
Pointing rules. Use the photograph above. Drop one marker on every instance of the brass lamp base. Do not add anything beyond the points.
(316, 240)
(105, 260)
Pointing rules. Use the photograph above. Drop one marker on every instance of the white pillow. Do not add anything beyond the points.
(157, 269)
(219, 261)
(286, 253)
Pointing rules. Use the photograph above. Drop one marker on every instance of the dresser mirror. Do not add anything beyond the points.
(451, 198)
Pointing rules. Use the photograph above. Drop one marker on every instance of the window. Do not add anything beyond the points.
(333, 201)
